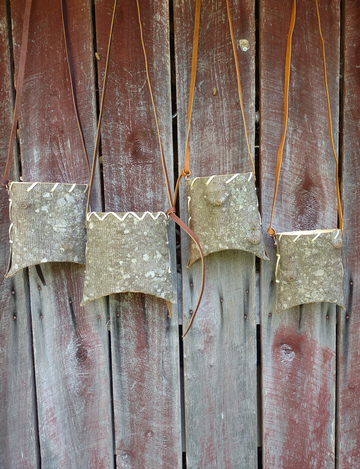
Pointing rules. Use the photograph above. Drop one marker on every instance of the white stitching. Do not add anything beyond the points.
(316, 237)
(72, 188)
(232, 178)
(210, 179)
(192, 182)
(31, 187)
(158, 214)
(189, 221)
(55, 186)
(251, 175)
(189, 198)
(277, 267)
(86, 188)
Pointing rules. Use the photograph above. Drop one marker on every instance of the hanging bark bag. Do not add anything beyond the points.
(129, 252)
(223, 209)
(46, 218)
(309, 263)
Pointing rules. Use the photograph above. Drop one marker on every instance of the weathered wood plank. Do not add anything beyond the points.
(70, 343)
(220, 349)
(145, 354)
(298, 345)
(348, 443)
(18, 429)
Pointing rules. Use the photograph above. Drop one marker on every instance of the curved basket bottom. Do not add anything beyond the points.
(127, 253)
(309, 268)
(224, 215)
(47, 224)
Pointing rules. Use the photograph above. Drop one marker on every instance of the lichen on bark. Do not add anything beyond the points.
(224, 215)
(127, 253)
(309, 268)
(47, 224)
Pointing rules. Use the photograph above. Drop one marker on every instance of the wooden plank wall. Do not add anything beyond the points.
(145, 344)
(70, 343)
(220, 349)
(348, 442)
(298, 345)
(18, 428)
(100, 386)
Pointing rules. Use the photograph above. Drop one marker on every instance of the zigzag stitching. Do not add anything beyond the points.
(158, 214)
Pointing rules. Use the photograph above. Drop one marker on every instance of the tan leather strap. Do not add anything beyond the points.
(186, 171)
(271, 231)
(97, 139)
(72, 79)
(4, 180)
(171, 211)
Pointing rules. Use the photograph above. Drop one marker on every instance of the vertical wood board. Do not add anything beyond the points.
(18, 429)
(348, 423)
(220, 348)
(298, 345)
(145, 356)
(70, 343)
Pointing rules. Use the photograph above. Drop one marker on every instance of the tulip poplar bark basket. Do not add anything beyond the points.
(101, 385)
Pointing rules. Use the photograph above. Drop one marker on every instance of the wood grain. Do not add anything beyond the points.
(348, 443)
(145, 352)
(220, 349)
(298, 346)
(18, 429)
(70, 343)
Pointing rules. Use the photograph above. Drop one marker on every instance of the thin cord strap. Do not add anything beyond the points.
(72, 79)
(4, 180)
(341, 224)
(171, 211)
(271, 231)
(239, 82)
(186, 171)
(167, 182)
(97, 140)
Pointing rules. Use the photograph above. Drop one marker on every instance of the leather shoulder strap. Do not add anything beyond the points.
(171, 212)
(271, 231)
(72, 79)
(98, 133)
(4, 180)
(186, 171)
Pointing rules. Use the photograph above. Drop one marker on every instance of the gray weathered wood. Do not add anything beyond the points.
(224, 215)
(72, 371)
(348, 409)
(70, 343)
(18, 423)
(128, 252)
(145, 352)
(47, 224)
(220, 349)
(298, 345)
(308, 268)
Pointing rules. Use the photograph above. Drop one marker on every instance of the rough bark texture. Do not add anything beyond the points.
(128, 252)
(298, 345)
(309, 269)
(348, 423)
(145, 351)
(48, 224)
(70, 343)
(18, 423)
(220, 349)
(224, 215)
